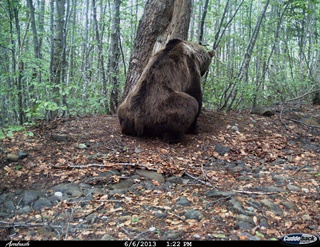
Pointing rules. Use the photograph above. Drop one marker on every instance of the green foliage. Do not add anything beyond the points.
(8, 132)
(282, 66)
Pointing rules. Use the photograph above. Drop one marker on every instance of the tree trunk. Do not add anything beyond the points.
(57, 59)
(99, 35)
(203, 18)
(114, 56)
(243, 71)
(161, 21)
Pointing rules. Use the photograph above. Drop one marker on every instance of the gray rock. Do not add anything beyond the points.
(70, 189)
(289, 205)
(235, 128)
(174, 180)
(137, 150)
(245, 218)
(243, 225)
(122, 185)
(40, 203)
(264, 223)
(218, 194)
(236, 206)
(270, 205)
(24, 210)
(221, 149)
(269, 189)
(29, 196)
(108, 237)
(12, 157)
(10, 206)
(194, 214)
(160, 215)
(151, 175)
(183, 201)
(292, 187)
(172, 235)
(280, 178)
(263, 110)
(22, 155)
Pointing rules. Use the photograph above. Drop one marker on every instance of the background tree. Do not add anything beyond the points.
(70, 59)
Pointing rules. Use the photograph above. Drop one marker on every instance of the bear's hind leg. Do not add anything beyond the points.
(180, 112)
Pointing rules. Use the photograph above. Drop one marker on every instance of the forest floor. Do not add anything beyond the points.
(243, 176)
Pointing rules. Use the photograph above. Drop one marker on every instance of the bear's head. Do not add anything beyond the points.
(202, 56)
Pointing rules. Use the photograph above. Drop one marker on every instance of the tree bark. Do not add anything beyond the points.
(57, 53)
(161, 21)
(243, 71)
(114, 56)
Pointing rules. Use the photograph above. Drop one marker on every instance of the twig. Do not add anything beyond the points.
(197, 179)
(205, 175)
(281, 119)
(22, 224)
(301, 96)
(299, 169)
(125, 230)
(255, 192)
(93, 210)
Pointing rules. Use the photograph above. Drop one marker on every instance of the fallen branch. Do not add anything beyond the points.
(301, 96)
(92, 211)
(199, 180)
(281, 119)
(256, 192)
(299, 169)
(22, 224)
(308, 125)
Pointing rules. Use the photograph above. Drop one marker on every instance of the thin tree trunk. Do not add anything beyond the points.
(100, 51)
(114, 56)
(57, 59)
(205, 10)
(243, 71)
(161, 21)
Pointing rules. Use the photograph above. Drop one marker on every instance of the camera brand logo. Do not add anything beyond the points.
(299, 239)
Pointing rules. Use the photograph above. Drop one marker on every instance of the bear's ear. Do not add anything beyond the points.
(211, 53)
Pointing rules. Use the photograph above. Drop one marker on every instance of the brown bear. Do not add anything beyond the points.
(167, 99)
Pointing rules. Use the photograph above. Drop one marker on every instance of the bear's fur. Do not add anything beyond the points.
(167, 99)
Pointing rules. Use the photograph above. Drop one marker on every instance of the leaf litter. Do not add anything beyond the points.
(257, 181)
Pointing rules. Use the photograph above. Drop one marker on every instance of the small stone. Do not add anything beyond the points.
(292, 187)
(221, 149)
(151, 175)
(235, 128)
(183, 201)
(243, 225)
(194, 214)
(82, 146)
(58, 194)
(313, 227)
(108, 237)
(160, 215)
(10, 206)
(12, 157)
(137, 150)
(218, 194)
(22, 155)
(174, 180)
(270, 205)
(42, 202)
(306, 217)
(24, 210)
